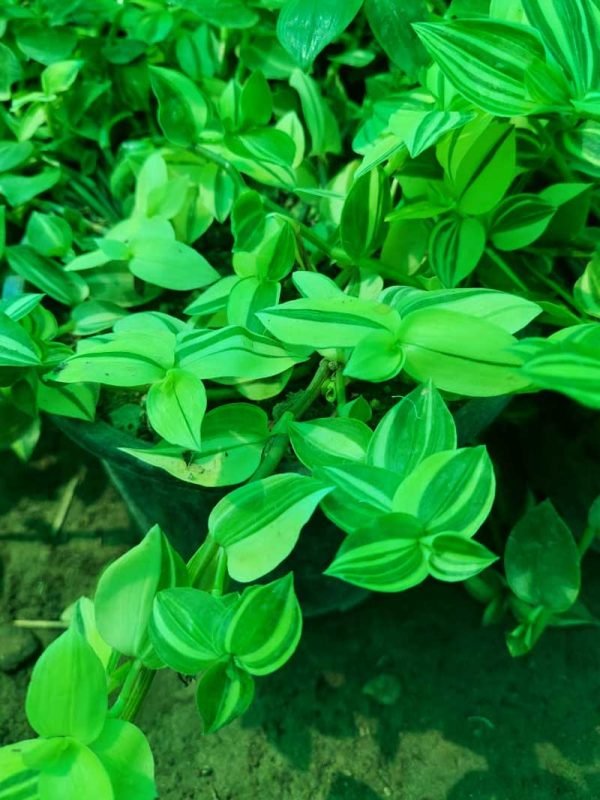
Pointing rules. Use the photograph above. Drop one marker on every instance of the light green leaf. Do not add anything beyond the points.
(572, 368)
(323, 442)
(460, 353)
(520, 220)
(485, 60)
(224, 693)
(48, 234)
(187, 628)
(420, 130)
(126, 756)
(170, 264)
(376, 358)
(247, 298)
(60, 76)
(587, 288)
(542, 560)
(76, 400)
(17, 348)
(126, 592)
(450, 492)
(320, 120)
(67, 694)
(20, 189)
(416, 427)
(77, 772)
(10, 71)
(330, 322)
(233, 352)
(305, 27)
(455, 248)
(386, 555)
(13, 154)
(258, 525)
(182, 109)
(175, 407)
(266, 627)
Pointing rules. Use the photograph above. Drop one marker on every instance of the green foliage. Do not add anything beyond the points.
(317, 247)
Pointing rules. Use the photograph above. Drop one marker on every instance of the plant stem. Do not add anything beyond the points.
(134, 689)
(279, 442)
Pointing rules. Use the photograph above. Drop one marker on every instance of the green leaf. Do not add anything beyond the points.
(126, 756)
(457, 558)
(416, 427)
(391, 24)
(46, 275)
(507, 311)
(48, 234)
(224, 14)
(67, 695)
(520, 220)
(170, 264)
(175, 407)
(486, 61)
(258, 525)
(361, 493)
(323, 442)
(17, 348)
(272, 254)
(77, 772)
(571, 32)
(542, 560)
(247, 298)
(420, 130)
(306, 27)
(587, 288)
(182, 109)
(224, 693)
(233, 352)
(119, 359)
(386, 555)
(233, 437)
(376, 358)
(568, 367)
(76, 400)
(460, 353)
(320, 120)
(266, 627)
(126, 592)
(60, 76)
(583, 146)
(455, 248)
(330, 322)
(10, 71)
(362, 227)
(13, 154)
(20, 189)
(45, 44)
(450, 492)
(265, 154)
(187, 628)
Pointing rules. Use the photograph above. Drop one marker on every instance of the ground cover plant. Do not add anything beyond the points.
(310, 251)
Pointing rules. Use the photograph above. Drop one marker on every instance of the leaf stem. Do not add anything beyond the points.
(134, 690)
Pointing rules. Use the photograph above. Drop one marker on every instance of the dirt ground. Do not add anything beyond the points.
(461, 719)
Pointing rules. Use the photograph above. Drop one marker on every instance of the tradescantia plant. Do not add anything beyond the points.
(308, 250)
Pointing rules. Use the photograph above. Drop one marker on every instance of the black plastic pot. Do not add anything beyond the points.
(181, 509)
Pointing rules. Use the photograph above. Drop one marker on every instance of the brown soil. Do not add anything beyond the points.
(462, 720)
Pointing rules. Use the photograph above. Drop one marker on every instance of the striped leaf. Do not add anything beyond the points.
(571, 33)
(214, 299)
(390, 22)
(182, 109)
(361, 493)
(460, 353)
(508, 311)
(384, 556)
(224, 692)
(119, 359)
(362, 226)
(258, 524)
(176, 406)
(47, 275)
(457, 558)
(583, 146)
(17, 348)
(324, 442)
(233, 352)
(520, 220)
(451, 491)
(486, 61)
(247, 298)
(76, 400)
(265, 154)
(331, 322)
(67, 694)
(126, 591)
(455, 247)
(420, 130)
(266, 627)
(187, 628)
(587, 288)
(416, 427)
(17, 780)
(570, 368)
(305, 27)
(320, 120)
(21, 306)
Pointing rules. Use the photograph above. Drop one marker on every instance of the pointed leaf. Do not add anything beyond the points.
(224, 693)
(176, 406)
(305, 27)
